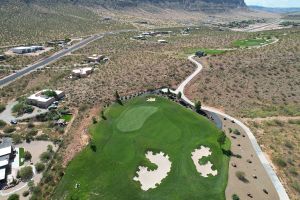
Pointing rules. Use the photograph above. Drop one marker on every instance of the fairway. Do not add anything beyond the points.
(122, 141)
(251, 42)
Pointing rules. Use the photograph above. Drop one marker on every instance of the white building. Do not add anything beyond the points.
(82, 72)
(95, 58)
(6, 155)
(27, 49)
(40, 99)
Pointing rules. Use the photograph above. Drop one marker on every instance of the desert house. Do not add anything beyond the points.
(162, 41)
(45, 98)
(27, 49)
(7, 153)
(95, 58)
(82, 72)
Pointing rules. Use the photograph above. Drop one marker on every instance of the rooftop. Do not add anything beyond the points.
(43, 98)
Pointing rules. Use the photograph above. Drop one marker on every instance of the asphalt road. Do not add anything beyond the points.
(42, 63)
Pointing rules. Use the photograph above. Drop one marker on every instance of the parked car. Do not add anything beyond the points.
(14, 121)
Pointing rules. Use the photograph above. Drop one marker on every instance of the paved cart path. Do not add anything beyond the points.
(271, 173)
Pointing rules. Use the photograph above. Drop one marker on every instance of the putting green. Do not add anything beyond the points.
(134, 118)
(163, 125)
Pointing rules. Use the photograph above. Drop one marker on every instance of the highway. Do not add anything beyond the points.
(46, 61)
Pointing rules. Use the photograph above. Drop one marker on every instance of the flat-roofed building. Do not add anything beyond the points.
(6, 154)
(82, 72)
(43, 100)
(27, 49)
(95, 58)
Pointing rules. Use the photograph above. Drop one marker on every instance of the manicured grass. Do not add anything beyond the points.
(163, 126)
(250, 42)
(189, 51)
(21, 155)
(67, 118)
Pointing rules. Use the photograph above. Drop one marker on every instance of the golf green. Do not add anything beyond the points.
(121, 143)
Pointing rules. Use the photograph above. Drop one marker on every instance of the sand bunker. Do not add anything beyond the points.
(150, 179)
(205, 169)
(151, 99)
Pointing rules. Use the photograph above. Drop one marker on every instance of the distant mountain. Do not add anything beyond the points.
(193, 5)
(275, 10)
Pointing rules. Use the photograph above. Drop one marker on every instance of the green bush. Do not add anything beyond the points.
(296, 186)
(2, 108)
(241, 176)
(45, 157)
(9, 129)
(235, 197)
(13, 197)
(2, 124)
(280, 162)
(50, 93)
(25, 193)
(39, 167)
(27, 155)
(25, 173)
(17, 138)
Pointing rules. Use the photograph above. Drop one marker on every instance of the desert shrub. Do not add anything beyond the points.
(17, 138)
(235, 197)
(236, 132)
(9, 129)
(42, 137)
(293, 171)
(289, 144)
(25, 173)
(280, 162)
(241, 176)
(94, 120)
(296, 186)
(45, 157)
(39, 167)
(2, 124)
(25, 193)
(2, 108)
(30, 125)
(13, 197)
(27, 155)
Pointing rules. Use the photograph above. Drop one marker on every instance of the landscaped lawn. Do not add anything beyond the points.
(66, 117)
(189, 51)
(250, 42)
(121, 143)
(21, 155)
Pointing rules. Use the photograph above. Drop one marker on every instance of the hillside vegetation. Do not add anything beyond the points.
(23, 23)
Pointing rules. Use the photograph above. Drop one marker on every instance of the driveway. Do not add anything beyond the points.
(7, 115)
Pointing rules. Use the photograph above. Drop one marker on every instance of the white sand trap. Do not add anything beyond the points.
(206, 169)
(151, 99)
(150, 179)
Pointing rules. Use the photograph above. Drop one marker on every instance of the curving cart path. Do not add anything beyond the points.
(275, 180)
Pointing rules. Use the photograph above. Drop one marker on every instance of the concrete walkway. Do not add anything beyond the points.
(271, 173)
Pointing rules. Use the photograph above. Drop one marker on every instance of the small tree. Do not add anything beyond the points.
(235, 197)
(27, 155)
(222, 139)
(13, 197)
(39, 167)
(117, 97)
(25, 173)
(45, 157)
(50, 148)
(102, 115)
(198, 106)
(94, 120)
(179, 95)
(93, 145)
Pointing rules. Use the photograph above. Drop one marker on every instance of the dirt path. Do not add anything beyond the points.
(80, 136)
